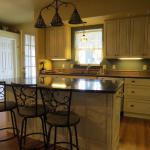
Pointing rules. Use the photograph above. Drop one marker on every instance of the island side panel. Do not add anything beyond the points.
(96, 113)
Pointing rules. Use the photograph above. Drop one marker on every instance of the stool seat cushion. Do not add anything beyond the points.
(30, 111)
(9, 106)
(61, 120)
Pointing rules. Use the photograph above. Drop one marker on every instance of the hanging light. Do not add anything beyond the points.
(56, 20)
(84, 37)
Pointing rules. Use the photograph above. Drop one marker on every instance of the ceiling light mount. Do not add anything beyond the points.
(56, 20)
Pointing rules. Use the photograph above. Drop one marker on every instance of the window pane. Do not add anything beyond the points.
(30, 64)
(88, 48)
(32, 50)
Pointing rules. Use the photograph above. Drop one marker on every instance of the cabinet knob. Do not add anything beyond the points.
(133, 81)
(131, 105)
(132, 91)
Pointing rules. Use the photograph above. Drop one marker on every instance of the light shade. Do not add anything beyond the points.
(40, 22)
(75, 18)
(57, 21)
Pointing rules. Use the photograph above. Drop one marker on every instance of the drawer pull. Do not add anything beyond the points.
(131, 105)
(133, 81)
(132, 91)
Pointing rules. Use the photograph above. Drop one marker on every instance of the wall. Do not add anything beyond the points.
(122, 65)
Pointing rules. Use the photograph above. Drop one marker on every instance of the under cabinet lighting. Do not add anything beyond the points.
(58, 85)
(130, 58)
(58, 59)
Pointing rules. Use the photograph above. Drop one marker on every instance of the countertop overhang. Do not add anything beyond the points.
(77, 85)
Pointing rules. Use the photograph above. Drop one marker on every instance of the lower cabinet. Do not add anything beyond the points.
(137, 98)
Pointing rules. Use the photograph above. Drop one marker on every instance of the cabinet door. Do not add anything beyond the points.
(50, 43)
(111, 38)
(60, 42)
(138, 25)
(147, 41)
(123, 44)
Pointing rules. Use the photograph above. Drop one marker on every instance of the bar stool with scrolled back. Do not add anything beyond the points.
(29, 107)
(8, 106)
(60, 114)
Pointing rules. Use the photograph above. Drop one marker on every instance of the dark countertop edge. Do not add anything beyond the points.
(80, 90)
(105, 75)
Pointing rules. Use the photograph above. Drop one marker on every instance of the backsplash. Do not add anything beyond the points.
(111, 64)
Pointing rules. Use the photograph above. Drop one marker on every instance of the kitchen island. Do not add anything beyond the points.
(96, 101)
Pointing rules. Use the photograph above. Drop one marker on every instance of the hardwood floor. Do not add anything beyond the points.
(134, 135)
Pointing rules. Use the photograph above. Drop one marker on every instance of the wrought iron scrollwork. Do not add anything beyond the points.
(25, 94)
(56, 100)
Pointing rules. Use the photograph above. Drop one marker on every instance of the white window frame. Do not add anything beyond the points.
(29, 45)
(81, 29)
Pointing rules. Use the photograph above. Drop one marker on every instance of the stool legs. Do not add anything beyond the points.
(76, 135)
(44, 131)
(55, 138)
(70, 135)
(14, 124)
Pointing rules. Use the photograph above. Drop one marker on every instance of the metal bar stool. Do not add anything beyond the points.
(60, 114)
(29, 107)
(8, 106)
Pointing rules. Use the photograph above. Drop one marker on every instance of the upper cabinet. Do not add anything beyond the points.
(147, 43)
(130, 37)
(111, 38)
(137, 43)
(117, 38)
(58, 43)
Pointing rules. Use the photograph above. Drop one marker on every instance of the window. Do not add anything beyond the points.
(7, 57)
(88, 51)
(30, 64)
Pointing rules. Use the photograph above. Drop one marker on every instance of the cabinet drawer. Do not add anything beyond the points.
(137, 107)
(133, 81)
(137, 92)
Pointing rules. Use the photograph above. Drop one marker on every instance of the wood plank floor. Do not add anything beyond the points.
(134, 135)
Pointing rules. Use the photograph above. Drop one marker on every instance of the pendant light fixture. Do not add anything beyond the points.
(56, 20)
(84, 37)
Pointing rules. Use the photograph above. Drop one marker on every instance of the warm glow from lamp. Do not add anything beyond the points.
(46, 64)
(130, 58)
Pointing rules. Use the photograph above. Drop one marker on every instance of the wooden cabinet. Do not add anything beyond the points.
(111, 38)
(147, 43)
(117, 38)
(128, 37)
(58, 44)
(137, 98)
(137, 46)
(123, 44)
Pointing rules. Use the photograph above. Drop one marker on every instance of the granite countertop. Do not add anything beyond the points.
(82, 85)
(117, 74)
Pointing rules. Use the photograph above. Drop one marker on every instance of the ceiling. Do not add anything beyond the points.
(16, 12)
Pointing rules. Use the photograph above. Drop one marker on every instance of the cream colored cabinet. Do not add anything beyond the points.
(117, 38)
(147, 43)
(123, 44)
(138, 30)
(137, 98)
(111, 38)
(58, 44)
(128, 37)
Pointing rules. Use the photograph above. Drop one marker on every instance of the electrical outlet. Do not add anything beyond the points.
(113, 67)
(144, 67)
